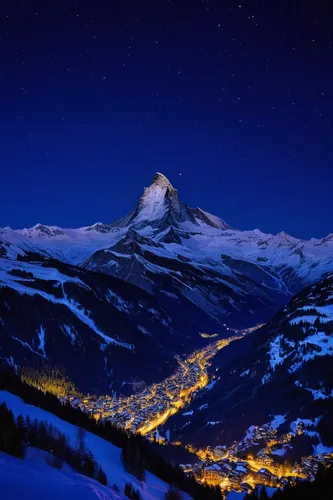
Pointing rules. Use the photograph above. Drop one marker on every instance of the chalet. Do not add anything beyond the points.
(212, 474)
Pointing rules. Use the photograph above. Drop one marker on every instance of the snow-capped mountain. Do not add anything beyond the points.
(191, 254)
(159, 206)
(157, 278)
(162, 217)
(283, 369)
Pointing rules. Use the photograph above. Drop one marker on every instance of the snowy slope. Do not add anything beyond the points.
(33, 479)
(69, 245)
(106, 454)
(304, 335)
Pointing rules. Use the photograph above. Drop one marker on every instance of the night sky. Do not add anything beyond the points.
(231, 100)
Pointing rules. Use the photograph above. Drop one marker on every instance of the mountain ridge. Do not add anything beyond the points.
(164, 189)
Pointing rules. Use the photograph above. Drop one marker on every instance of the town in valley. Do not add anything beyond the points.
(231, 468)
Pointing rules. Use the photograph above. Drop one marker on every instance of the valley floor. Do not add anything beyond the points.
(147, 410)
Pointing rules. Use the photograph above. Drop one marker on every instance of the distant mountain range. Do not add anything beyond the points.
(114, 303)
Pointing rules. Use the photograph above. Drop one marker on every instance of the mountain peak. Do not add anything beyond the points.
(161, 181)
(42, 230)
(160, 207)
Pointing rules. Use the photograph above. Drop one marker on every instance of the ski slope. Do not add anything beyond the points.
(15, 475)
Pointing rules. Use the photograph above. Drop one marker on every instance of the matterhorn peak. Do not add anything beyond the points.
(161, 181)
(160, 207)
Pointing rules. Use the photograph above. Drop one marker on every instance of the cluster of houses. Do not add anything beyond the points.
(310, 464)
(238, 475)
(223, 467)
(233, 475)
(144, 411)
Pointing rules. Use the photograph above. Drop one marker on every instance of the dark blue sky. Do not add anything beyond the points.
(236, 96)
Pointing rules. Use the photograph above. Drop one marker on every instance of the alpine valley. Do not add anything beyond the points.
(101, 299)
(171, 295)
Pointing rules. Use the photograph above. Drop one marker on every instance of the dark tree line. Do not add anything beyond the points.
(45, 436)
(131, 492)
(173, 494)
(257, 494)
(17, 435)
(133, 458)
(11, 441)
(137, 453)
